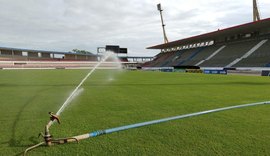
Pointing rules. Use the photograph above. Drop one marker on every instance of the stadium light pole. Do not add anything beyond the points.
(256, 14)
(162, 22)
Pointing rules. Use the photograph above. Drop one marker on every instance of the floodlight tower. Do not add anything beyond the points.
(256, 14)
(162, 22)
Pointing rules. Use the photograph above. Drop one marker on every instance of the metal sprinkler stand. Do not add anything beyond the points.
(48, 138)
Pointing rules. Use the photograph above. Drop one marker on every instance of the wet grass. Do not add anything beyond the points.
(114, 99)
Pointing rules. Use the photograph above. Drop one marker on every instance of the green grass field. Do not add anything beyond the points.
(114, 99)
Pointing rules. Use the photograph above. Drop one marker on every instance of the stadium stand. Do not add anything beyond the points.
(245, 45)
(29, 58)
(207, 54)
(158, 60)
(187, 62)
(183, 56)
(172, 57)
(55, 64)
(260, 58)
(247, 54)
(16, 54)
(231, 52)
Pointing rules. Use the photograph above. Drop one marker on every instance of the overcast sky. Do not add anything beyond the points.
(63, 25)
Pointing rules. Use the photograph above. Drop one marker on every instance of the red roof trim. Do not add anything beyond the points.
(217, 31)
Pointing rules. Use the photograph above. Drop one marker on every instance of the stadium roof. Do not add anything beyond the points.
(239, 29)
(42, 51)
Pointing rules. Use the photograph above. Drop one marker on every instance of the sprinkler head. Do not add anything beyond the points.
(54, 117)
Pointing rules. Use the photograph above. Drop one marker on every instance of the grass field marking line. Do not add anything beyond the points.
(136, 125)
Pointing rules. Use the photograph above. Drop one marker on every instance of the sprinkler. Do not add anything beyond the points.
(48, 138)
(49, 141)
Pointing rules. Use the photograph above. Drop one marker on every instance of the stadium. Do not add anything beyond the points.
(206, 94)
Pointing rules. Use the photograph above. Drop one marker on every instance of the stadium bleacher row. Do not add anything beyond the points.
(247, 53)
(55, 64)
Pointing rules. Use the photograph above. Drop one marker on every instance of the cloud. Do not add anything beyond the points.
(63, 25)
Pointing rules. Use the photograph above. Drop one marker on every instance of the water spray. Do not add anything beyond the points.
(74, 92)
(48, 139)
